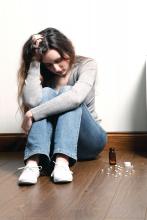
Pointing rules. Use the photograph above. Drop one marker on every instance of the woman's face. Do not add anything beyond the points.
(55, 63)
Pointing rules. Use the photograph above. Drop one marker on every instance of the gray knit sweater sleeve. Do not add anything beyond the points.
(65, 101)
(32, 90)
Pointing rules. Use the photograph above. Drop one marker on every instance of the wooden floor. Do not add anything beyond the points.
(92, 195)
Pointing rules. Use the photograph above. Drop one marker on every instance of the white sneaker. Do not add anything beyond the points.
(62, 174)
(29, 175)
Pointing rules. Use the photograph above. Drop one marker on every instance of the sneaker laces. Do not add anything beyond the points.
(30, 167)
(62, 166)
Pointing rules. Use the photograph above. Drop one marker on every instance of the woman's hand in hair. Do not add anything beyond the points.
(27, 122)
(36, 39)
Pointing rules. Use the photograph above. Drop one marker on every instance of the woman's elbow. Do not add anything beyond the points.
(32, 102)
(78, 101)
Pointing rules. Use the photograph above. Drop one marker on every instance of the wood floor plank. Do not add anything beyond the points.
(124, 219)
(64, 195)
(44, 199)
(98, 195)
(92, 195)
(130, 201)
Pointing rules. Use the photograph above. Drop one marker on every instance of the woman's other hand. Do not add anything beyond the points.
(27, 122)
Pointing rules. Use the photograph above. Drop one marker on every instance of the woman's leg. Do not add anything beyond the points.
(65, 142)
(67, 131)
(39, 137)
(78, 135)
(92, 137)
(38, 142)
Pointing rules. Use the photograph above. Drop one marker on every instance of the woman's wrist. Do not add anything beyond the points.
(34, 68)
(29, 114)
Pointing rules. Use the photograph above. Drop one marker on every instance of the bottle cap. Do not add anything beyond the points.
(111, 148)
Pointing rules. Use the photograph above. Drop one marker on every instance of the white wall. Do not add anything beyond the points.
(113, 32)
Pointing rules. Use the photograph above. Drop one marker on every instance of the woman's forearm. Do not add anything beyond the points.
(32, 90)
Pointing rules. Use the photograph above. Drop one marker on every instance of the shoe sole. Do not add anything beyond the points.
(61, 181)
(26, 183)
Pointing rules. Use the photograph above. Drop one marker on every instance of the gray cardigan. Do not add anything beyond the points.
(82, 79)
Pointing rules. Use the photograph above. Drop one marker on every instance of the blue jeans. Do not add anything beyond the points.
(73, 133)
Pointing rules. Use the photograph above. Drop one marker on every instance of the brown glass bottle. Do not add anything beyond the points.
(112, 156)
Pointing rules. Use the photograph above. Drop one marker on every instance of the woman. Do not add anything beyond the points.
(57, 90)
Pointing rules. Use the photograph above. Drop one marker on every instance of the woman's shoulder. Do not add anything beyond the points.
(82, 59)
(84, 65)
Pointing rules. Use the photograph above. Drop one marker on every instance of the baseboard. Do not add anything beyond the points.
(12, 142)
(119, 140)
(127, 140)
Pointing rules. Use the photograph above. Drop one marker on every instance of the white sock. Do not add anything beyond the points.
(32, 163)
(62, 162)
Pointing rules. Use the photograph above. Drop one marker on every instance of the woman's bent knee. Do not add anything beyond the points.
(65, 88)
(48, 93)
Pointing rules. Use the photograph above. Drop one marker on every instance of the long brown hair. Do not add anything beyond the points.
(52, 39)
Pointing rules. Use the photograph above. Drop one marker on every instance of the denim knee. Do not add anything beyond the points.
(65, 88)
(47, 94)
